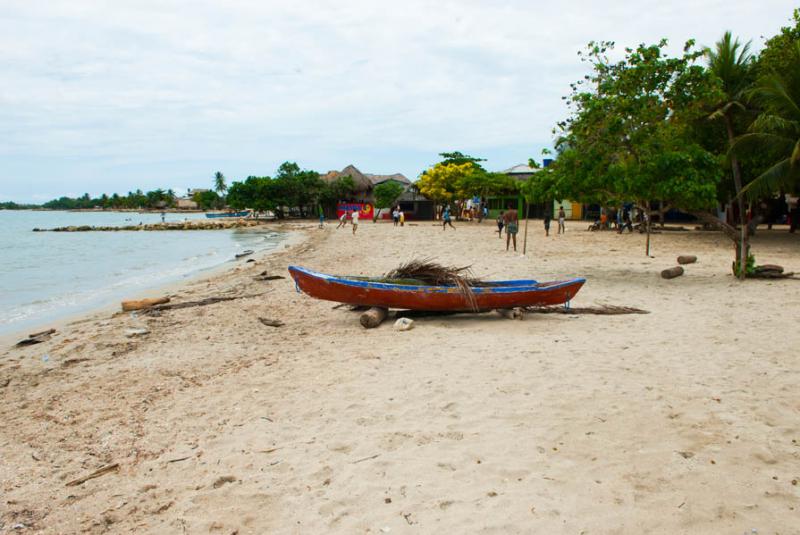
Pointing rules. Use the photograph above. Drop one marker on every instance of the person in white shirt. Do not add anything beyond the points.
(355, 220)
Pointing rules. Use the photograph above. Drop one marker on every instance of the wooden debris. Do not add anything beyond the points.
(200, 303)
(367, 458)
(271, 323)
(130, 333)
(141, 304)
(687, 259)
(244, 253)
(373, 317)
(36, 338)
(264, 276)
(97, 473)
(510, 313)
(672, 272)
(604, 310)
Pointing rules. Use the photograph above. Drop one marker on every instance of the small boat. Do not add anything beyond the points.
(243, 213)
(246, 252)
(411, 295)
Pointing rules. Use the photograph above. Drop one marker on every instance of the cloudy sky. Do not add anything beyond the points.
(100, 96)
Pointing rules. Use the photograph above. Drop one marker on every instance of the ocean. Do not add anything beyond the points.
(47, 276)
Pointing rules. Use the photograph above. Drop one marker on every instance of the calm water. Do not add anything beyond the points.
(50, 275)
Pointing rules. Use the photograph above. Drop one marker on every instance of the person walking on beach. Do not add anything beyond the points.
(354, 218)
(343, 219)
(395, 216)
(561, 217)
(500, 225)
(446, 219)
(512, 227)
(402, 217)
(321, 218)
(547, 219)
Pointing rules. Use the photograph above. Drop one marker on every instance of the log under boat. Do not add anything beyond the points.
(413, 295)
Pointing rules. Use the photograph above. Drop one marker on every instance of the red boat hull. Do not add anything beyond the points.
(511, 294)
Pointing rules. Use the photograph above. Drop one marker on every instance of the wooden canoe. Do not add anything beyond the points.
(381, 293)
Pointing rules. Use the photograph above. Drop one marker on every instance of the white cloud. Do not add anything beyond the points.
(129, 94)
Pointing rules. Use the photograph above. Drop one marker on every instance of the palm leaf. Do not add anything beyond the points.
(760, 142)
(782, 175)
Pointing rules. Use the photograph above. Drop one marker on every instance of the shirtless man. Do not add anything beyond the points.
(511, 219)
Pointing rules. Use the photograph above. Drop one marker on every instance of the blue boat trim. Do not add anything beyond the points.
(499, 288)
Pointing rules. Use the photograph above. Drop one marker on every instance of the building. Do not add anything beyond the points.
(365, 182)
(523, 173)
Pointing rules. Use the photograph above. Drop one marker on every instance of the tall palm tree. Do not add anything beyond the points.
(219, 183)
(777, 128)
(730, 61)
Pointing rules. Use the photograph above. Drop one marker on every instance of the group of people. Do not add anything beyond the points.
(509, 219)
(352, 214)
(398, 217)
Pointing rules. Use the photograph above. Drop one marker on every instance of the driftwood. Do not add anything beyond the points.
(770, 271)
(373, 317)
(264, 276)
(603, 310)
(140, 304)
(271, 323)
(200, 303)
(510, 313)
(36, 338)
(672, 272)
(244, 253)
(687, 259)
(97, 473)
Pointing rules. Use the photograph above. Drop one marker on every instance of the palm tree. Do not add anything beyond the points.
(777, 129)
(219, 183)
(730, 61)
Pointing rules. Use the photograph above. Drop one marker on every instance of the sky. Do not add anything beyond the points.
(107, 97)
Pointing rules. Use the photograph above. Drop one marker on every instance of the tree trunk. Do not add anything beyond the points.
(743, 248)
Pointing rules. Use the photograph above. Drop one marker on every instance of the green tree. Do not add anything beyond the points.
(776, 131)
(295, 187)
(219, 183)
(628, 138)
(207, 200)
(458, 158)
(385, 196)
(731, 63)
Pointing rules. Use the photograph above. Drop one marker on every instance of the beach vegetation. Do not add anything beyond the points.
(629, 137)
(219, 183)
(386, 194)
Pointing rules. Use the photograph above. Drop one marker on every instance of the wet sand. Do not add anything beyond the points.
(684, 420)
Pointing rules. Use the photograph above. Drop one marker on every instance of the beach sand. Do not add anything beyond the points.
(684, 420)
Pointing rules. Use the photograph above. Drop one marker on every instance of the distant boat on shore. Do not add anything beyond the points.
(243, 213)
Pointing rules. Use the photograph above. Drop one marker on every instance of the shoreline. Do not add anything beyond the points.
(99, 313)
(679, 420)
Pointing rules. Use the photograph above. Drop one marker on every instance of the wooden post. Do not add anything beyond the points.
(525, 238)
(374, 317)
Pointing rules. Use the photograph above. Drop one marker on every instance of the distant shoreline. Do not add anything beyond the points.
(102, 210)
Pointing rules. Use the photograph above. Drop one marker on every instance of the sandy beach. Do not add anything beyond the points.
(683, 420)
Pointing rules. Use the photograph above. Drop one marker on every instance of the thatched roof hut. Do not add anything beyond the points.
(363, 184)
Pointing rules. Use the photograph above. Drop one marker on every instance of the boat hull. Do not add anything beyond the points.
(244, 213)
(505, 294)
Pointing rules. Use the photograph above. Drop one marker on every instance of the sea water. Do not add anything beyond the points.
(45, 276)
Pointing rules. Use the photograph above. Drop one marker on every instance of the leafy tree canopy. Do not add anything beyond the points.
(628, 137)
